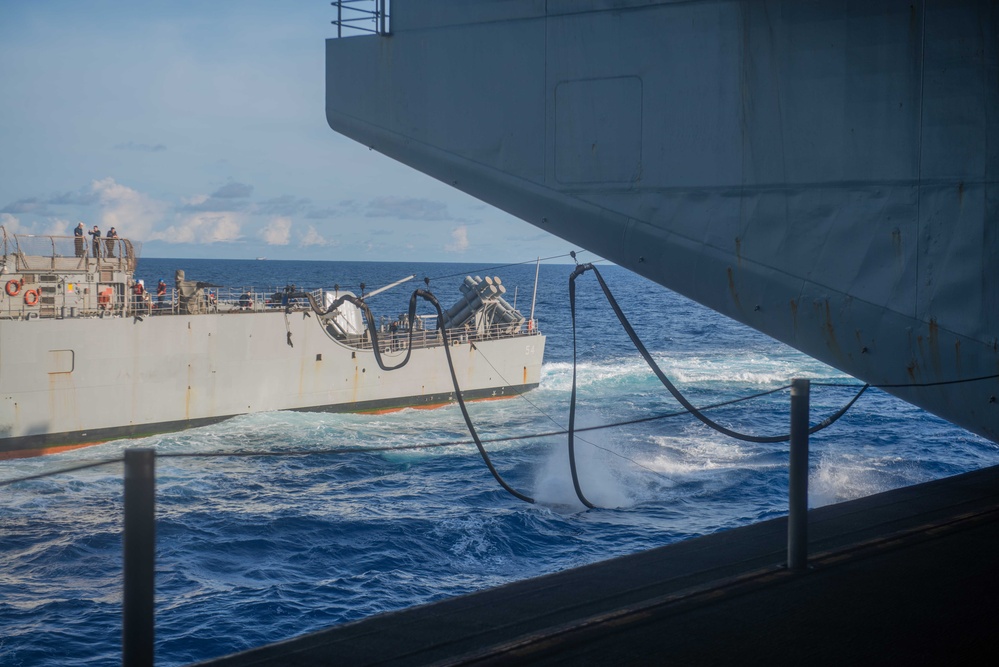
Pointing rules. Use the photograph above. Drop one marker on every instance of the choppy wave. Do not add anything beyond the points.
(257, 549)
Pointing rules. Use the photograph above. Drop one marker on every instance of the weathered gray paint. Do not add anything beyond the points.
(177, 370)
(825, 173)
(89, 360)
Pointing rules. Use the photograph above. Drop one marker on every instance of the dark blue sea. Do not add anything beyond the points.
(256, 550)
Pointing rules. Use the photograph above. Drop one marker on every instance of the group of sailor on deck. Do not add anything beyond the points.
(140, 298)
(81, 246)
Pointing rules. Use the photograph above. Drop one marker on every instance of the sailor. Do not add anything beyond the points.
(160, 291)
(245, 301)
(109, 240)
(78, 239)
(96, 233)
(138, 294)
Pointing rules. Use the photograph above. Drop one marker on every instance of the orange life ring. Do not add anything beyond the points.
(30, 297)
(13, 287)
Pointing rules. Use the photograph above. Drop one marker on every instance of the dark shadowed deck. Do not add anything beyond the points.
(903, 577)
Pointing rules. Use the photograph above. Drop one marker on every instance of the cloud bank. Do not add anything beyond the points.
(459, 240)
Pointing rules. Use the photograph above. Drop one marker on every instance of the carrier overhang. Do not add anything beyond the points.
(824, 173)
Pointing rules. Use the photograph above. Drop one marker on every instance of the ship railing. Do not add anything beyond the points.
(150, 303)
(426, 334)
(359, 17)
(248, 299)
(236, 299)
(394, 334)
(232, 299)
(58, 300)
(35, 253)
(216, 300)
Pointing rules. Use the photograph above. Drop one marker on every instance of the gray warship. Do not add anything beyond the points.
(86, 356)
(826, 173)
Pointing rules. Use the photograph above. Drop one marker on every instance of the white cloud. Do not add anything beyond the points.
(10, 223)
(278, 232)
(313, 238)
(224, 230)
(132, 213)
(220, 227)
(50, 227)
(193, 202)
(57, 227)
(459, 240)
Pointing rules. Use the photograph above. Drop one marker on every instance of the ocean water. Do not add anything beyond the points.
(256, 550)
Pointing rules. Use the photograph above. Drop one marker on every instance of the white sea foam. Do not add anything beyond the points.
(557, 376)
(606, 479)
(685, 455)
(839, 477)
(689, 369)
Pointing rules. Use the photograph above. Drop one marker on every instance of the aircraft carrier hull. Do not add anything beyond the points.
(825, 173)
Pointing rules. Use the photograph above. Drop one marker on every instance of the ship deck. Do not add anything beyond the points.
(902, 577)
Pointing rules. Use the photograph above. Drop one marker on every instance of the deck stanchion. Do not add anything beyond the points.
(139, 556)
(797, 520)
(534, 298)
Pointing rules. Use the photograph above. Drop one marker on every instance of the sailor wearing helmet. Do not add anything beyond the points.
(138, 295)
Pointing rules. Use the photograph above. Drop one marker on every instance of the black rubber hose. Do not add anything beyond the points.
(369, 317)
(582, 268)
(572, 399)
(426, 296)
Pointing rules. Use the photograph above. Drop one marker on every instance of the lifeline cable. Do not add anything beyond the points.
(904, 385)
(82, 466)
(242, 453)
(503, 266)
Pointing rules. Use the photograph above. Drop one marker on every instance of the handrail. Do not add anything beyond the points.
(235, 301)
(430, 337)
(350, 17)
(37, 252)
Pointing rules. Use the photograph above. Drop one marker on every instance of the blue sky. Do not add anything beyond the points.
(199, 130)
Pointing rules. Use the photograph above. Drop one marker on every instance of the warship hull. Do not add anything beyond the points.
(71, 382)
(826, 173)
